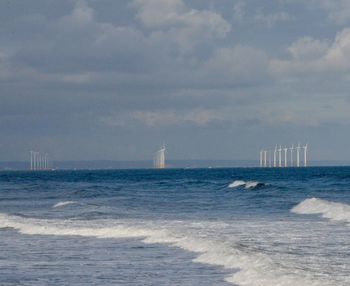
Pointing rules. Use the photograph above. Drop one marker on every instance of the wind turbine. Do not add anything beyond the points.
(291, 155)
(305, 155)
(261, 158)
(35, 154)
(40, 161)
(280, 156)
(31, 160)
(274, 156)
(285, 156)
(46, 162)
(265, 158)
(298, 155)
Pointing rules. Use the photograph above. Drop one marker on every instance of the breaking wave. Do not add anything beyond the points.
(327, 209)
(253, 269)
(65, 203)
(245, 184)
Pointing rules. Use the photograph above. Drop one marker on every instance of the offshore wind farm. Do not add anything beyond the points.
(39, 161)
(175, 143)
(283, 157)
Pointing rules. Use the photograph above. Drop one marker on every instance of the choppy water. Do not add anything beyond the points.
(176, 227)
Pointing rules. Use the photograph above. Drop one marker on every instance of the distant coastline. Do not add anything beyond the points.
(148, 164)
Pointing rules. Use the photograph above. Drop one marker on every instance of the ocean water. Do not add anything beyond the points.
(239, 226)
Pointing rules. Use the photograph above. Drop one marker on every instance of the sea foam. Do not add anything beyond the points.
(65, 203)
(245, 184)
(327, 209)
(254, 269)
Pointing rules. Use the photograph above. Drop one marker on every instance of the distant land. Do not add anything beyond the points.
(109, 164)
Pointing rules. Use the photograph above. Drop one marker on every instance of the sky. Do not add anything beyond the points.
(114, 80)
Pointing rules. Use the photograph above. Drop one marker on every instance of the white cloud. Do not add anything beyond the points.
(184, 25)
(81, 15)
(316, 56)
(308, 48)
(239, 11)
(338, 56)
(154, 118)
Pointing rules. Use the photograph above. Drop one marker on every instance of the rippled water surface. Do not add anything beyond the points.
(286, 226)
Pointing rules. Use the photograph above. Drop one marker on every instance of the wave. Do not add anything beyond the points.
(63, 204)
(327, 209)
(246, 185)
(254, 269)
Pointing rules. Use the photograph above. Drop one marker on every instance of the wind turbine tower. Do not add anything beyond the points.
(280, 156)
(31, 160)
(305, 155)
(35, 157)
(265, 158)
(285, 156)
(46, 162)
(291, 155)
(274, 156)
(159, 158)
(261, 158)
(298, 155)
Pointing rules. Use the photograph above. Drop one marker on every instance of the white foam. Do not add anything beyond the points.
(327, 209)
(251, 184)
(246, 185)
(65, 203)
(237, 183)
(253, 269)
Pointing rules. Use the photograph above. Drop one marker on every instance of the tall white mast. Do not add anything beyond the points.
(261, 158)
(46, 162)
(163, 157)
(270, 161)
(39, 161)
(274, 156)
(305, 155)
(159, 158)
(285, 156)
(291, 155)
(298, 155)
(280, 156)
(34, 160)
(265, 158)
(31, 160)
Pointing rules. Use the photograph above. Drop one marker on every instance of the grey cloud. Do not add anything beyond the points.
(315, 56)
(92, 77)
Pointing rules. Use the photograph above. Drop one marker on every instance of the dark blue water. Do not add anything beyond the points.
(287, 226)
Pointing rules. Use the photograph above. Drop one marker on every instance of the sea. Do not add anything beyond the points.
(229, 226)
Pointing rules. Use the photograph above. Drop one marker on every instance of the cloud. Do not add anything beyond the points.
(81, 15)
(239, 11)
(196, 117)
(308, 48)
(236, 65)
(338, 10)
(172, 19)
(166, 67)
(316, 56)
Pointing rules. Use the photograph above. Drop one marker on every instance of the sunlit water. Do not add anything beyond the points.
(176, 227)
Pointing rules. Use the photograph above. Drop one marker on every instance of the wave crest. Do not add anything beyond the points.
(63, 204)
(245, 184)
(327, 209)
(249, 269)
